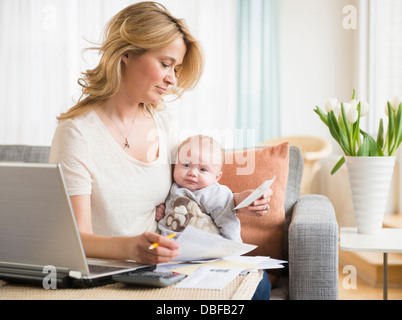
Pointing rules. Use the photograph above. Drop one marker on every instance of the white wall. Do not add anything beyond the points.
(317, 62)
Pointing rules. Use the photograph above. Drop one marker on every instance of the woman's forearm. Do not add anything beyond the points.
(118, 248)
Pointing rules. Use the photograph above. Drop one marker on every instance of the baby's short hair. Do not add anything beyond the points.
(205, 141)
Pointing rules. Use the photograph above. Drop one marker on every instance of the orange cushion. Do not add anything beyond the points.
(239, 175)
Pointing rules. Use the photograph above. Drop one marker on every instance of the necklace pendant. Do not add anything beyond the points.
(127, 144)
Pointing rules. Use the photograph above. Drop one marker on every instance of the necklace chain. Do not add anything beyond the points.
(126, 143)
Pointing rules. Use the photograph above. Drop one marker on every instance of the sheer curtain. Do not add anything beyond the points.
(41, 58)
(211, 108)
(258, 69)
(379, 61)
(388, 64)
(387, 75)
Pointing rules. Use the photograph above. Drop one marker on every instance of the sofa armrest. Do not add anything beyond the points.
(313, 249)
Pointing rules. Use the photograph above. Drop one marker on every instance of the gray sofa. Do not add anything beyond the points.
(311, 236)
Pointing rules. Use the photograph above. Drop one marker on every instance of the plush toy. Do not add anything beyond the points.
(187, 212)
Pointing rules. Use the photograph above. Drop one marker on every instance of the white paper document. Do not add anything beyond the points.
(196, 245)
(209, 278)
(272, 264)
(260, 262)
(257, 193)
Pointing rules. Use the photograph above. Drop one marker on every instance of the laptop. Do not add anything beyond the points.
(39, 238)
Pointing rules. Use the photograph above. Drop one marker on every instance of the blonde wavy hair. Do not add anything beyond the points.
(137, 29)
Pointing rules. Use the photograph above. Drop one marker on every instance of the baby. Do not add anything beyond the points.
(196, 198)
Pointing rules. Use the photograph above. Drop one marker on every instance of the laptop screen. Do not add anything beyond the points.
(37, 224)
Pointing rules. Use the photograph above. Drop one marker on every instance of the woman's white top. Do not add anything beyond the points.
(124, 191)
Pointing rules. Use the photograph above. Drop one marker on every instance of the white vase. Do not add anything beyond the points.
(370, 181)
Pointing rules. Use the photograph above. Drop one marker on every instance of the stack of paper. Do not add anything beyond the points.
(219, 273)
(212, 262)
(207, 277)
(260, 262)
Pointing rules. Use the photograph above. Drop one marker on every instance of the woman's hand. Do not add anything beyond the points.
(166, 251)
(124, 247)
(258, 208)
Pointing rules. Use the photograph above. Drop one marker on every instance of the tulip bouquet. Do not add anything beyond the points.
(343, 121)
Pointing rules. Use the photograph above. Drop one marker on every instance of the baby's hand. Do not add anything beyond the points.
(160, 212)
(259, 207)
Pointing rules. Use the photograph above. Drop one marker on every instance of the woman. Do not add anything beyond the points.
(114, 143)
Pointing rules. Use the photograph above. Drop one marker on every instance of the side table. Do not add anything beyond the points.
(388, 240)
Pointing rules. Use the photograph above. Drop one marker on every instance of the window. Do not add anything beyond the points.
(385, 35)
(41, 59)
(386, 72)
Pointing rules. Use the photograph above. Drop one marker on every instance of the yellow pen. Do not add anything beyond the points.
(170, 236)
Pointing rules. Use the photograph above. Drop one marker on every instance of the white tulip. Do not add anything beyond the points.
(337, 109)
(347, 106)
(331, 104)
(395, 103)
(352, 113)
(364, 108)
(354, 103)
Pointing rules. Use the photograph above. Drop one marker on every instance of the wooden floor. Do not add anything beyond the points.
(364, 291)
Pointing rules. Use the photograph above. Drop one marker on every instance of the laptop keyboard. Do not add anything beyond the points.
(97, 269)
